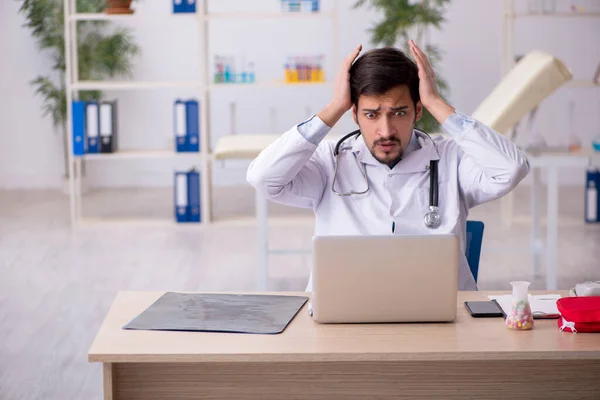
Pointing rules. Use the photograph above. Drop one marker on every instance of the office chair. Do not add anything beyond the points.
(473, 245)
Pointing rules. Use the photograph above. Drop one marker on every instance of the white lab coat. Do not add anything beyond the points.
(476, 165)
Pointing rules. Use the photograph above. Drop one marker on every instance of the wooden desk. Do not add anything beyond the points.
(471, 358)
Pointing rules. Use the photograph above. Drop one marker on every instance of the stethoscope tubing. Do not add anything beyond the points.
(432, 219)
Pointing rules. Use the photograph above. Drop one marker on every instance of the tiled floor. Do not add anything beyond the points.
(56, 285)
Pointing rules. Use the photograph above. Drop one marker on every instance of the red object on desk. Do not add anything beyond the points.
(579, 314)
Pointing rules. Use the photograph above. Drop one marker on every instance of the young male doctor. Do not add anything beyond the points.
(383, 177)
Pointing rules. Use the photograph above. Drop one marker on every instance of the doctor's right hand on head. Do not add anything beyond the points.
(340, 102)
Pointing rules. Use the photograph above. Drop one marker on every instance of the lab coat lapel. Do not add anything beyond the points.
(363, 153)
(419, 159)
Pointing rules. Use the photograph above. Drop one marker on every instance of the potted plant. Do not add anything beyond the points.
(411, 19)
(119, 7)
(102, 53)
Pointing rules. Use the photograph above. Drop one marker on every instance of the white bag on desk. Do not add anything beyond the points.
(588, 289)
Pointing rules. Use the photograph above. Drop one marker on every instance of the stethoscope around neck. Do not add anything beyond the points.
(432, 218)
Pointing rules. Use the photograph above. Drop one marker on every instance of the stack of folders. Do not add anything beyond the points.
(187, 196)
(94, 127)
(186, 125)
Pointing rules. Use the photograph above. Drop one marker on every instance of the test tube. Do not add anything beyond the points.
(306, 65)
(310, 67)
(222, 69)
(217, 69)
(251, 77)
(227, 71)
(288, 70)
(300, 66)
(314, 72)
(234, 75)
(294, 68)
(244, 73)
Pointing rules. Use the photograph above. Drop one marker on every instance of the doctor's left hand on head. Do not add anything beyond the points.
(428, 91)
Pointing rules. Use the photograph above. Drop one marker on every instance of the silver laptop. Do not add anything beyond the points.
(392, 278)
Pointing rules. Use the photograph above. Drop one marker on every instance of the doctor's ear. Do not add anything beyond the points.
(418, 111)
(354, 116)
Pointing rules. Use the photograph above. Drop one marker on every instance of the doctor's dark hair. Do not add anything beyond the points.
(380, 70)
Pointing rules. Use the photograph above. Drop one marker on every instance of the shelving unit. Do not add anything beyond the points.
(508, 20)
(551, 162)
(108, 85)
(203, 87)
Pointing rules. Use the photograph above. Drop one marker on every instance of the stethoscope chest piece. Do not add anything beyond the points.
(433, 218)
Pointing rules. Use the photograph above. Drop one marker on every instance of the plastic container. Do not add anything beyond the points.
(520, 316)
(579, 314)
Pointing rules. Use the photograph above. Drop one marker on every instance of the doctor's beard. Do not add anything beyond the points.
(391, 162)
(394, 145)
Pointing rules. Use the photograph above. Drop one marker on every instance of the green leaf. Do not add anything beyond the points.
(54, 98)
(109, 50)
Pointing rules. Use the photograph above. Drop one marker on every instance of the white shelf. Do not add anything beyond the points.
(267, 84)
(115, 222)
(132, 85)
(195, 16)
(149, 85)
(555, 14)
(140, 154)
(129, 17)
(270, 15)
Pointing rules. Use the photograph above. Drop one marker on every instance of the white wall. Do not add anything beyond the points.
(21, 122)
(470, 40)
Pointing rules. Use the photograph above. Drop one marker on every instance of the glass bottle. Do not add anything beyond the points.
(520, 316)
